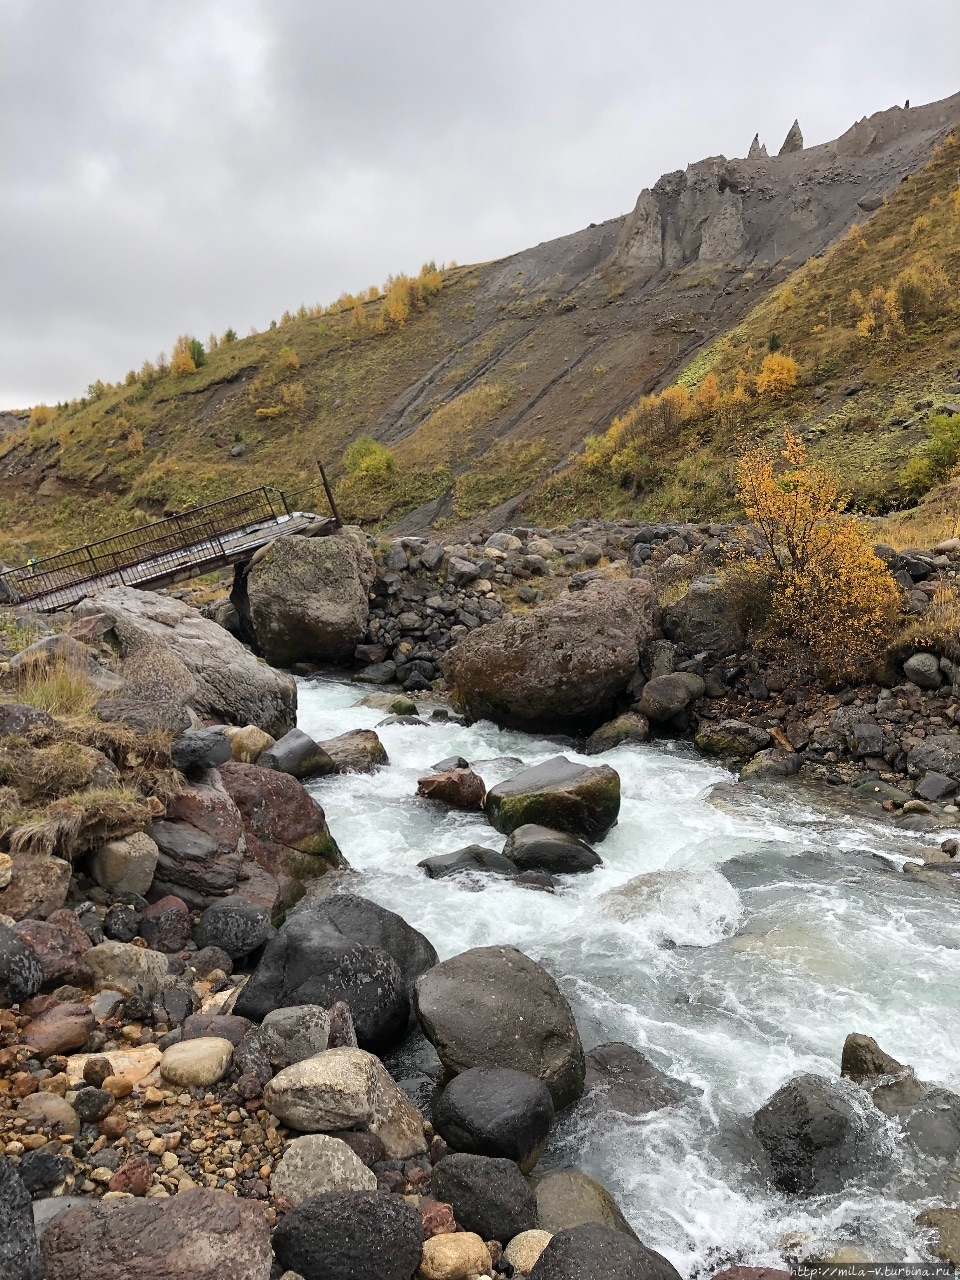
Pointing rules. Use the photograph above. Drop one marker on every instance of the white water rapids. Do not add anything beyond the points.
(848, 946)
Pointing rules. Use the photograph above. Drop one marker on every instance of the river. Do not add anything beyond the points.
(840, 944)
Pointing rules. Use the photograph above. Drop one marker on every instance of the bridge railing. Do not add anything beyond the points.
(161, 542)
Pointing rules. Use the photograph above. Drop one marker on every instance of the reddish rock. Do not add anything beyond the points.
(166, 924)
(438, 1219)
(62, 1029)
(133, 1176)
(201, 1233)
(459, 788)
(286, 830)
(114, 1126)
(38, 886)
(201, 844)
(59, 944)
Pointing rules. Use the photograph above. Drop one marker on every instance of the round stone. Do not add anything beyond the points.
(202, 1062)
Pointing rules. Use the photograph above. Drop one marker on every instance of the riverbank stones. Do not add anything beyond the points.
(316, 1164)
(495, 1111)
(203, 1061)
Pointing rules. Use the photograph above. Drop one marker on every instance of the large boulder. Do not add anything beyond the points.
(202, 1234)
(495, 1007)
(602, 1254)
(863, 1060)
(285, 829)
(351, 1235)
(559, 794)
(201, 843)
(59, 944)
(488, 1195)
(535, 848)
(560, 667)
(704, 619)
(19, 1252)
(307, 597)
(346, 1089)
(309, 961)
(229, 684)
(568, 1198)
(814, 1137)
(37, 886)
(495, 1111)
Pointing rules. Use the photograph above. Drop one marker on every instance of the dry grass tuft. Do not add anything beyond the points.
(58, 689)
(81, 822)
(937, 630)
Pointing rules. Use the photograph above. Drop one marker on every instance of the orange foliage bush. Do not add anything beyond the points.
(818, 590)
(777, 376)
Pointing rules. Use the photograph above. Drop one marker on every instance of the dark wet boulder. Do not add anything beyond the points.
(623, 1079)
(602, 1254)
(309, 961)
(495, 1007)
(351, 1235)
(296, 753)
(235, 925)
(495, 1111)
(19, 1251)
(367, 923)
(535, 848)
(489, 1196)
(815, 1138)
(59, 944)
(568, 1198)
(581, 799)
(474, 857)
(560, 667)
(928, 1113)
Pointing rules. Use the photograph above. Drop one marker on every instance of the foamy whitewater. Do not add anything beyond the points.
(839, 944)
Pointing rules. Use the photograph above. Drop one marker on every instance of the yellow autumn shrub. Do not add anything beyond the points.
(817, 590)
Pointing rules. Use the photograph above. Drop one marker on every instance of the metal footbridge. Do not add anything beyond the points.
(156, 555)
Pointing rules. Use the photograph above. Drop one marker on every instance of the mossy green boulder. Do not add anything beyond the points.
(562, 795)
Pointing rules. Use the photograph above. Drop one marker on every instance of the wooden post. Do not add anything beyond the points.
(338, 523)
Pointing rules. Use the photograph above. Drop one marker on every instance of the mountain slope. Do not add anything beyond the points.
(488, 385)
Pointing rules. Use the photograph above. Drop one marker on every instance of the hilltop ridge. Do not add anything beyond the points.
(487, 388)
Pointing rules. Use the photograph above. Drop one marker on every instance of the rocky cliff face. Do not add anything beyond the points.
(764, 208)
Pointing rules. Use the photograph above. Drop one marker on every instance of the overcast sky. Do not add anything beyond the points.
(188, 165)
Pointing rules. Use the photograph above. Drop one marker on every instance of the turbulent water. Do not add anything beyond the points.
(772, 933)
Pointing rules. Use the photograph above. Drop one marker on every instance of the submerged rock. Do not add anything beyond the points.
(623, 1079)
(630, 728)
(474, 857)
(559, 794)
(459, 788)
(815, 1139)
(359, 751)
